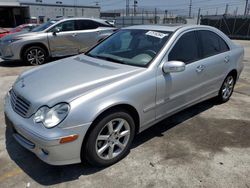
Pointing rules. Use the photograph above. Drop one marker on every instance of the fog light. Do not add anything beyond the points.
(67, 139)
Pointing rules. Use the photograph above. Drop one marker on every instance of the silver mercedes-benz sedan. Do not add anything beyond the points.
(55, 38)
(91, 106)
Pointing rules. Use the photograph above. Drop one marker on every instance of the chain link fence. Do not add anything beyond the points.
(236, 27)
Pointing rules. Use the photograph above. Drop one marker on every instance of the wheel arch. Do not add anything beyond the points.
(127, 107)
(234, 73)
(40, 44)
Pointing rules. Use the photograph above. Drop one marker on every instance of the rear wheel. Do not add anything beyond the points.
(110, 139)
(35, 55)
(226, 89)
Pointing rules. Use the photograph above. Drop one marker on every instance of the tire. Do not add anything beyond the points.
(35, 55)
(226, 89)
(112, 145)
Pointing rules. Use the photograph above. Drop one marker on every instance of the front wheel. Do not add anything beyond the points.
(226, 89)
(110, 139)
(35, 55)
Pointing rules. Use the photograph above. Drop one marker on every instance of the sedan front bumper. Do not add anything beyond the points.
(45, 143)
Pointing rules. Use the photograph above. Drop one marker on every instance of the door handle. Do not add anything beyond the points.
(200, 68)
(227, 59)
(74, 34)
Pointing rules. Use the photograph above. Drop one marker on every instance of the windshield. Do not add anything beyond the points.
(132, 47)
(43, 26)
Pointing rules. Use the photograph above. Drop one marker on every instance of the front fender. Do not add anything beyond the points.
(82, 113)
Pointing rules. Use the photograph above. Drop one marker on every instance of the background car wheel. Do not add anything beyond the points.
(35, 55)
(226, 89)
(110, 139)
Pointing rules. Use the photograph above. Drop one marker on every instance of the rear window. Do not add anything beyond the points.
(86, 24)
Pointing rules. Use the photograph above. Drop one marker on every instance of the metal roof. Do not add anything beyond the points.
(59, 5)
(9, 4)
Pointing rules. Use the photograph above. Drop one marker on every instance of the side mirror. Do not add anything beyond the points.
(55, 31)
(173, 66)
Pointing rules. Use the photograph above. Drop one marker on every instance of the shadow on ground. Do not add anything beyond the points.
(50, 175)
(22, 64)
(13, 64)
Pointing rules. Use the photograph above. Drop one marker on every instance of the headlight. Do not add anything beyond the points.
(51, 117)
(11, 40)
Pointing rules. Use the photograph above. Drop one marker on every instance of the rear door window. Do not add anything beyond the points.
(86, 24)
(185, 49)
(211, 43)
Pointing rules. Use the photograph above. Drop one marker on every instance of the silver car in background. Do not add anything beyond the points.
(90, 107)
(55, 38)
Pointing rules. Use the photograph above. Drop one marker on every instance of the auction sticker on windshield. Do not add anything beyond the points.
(156, 34)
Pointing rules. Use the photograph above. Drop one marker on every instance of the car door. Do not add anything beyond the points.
(215, 60)
(62, 39)
(177, 90)
(87, 34)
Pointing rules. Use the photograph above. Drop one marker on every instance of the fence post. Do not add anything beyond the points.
(155, 16)
(248, 29)
(123, 21)
(199, 14)
(142, 16)
(234, 25)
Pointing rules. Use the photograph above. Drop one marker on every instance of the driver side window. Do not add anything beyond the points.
(65, 26)
(185, 49)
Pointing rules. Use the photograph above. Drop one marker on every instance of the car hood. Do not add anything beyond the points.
(20, 34)
(67, 79)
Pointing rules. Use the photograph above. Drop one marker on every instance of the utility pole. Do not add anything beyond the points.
(216, 13)
(155, 15)
(199, 15)
(236, 11)
(245, 13)
(135, 5)
(127, 7)
(75, 4)
(165, 16)
(190, 8)
(226, 10)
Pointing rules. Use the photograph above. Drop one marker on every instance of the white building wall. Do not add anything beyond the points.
(52, 12)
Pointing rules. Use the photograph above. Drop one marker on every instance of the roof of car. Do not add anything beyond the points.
(169, 28)
(82, 18)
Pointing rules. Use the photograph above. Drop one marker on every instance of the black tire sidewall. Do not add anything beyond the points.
(32, 48)
(90, 151)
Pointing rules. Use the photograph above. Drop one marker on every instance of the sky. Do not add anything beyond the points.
(177, 6)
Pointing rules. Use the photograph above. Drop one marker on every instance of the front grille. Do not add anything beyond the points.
(19, 104)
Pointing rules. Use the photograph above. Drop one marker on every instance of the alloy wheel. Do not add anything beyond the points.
(36, 56)
(112, 139)
(227, 88)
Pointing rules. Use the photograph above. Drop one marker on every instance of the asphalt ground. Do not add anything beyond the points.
(207, 145)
